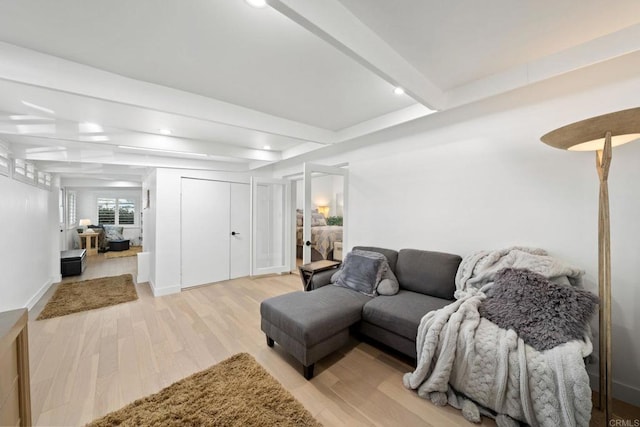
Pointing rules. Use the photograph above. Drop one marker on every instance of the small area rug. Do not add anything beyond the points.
(85, 295)
(235, 392)
(132, 251)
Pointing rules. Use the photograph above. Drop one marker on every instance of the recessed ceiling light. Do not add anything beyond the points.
(88, 127)
(257, 3)
(93, 138)
(267, 147)
(165, 131)
(398, 91)
(30, 117)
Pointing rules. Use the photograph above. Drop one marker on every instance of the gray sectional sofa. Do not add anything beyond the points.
(312, 325)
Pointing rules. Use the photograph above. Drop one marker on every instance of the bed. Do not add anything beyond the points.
(323, 237)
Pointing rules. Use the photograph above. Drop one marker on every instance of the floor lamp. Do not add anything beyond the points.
(601, 134)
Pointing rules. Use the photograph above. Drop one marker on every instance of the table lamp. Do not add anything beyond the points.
(601, 134)
(85, 223)
(324, 210)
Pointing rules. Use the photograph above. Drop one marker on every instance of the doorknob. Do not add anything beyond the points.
(233, 233)
(308, 243)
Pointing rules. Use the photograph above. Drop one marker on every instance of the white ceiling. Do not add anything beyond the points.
(456, 42)
(298, 75)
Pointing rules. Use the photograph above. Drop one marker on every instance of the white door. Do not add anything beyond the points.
(240, 229)
(270, 210)
(205, 231)
(339, 198)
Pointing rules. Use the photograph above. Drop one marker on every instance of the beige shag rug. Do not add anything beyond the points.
(85, 295)
(235, 392)
(132, 251)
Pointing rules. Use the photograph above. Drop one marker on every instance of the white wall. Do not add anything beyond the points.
(481, 179)
(29, 253)
(166, 266)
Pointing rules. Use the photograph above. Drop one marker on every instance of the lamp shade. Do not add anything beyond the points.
(324, 210)
(589, 134)
(84, 222)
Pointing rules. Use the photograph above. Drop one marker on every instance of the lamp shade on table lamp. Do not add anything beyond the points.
(84, 223)
(324, 210)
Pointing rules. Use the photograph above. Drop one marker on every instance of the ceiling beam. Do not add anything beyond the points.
(97, 154)
(595, 51)
(46, 71)
(335, 24)
(146, 142)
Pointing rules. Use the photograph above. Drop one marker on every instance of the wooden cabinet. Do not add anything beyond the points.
(15, 400)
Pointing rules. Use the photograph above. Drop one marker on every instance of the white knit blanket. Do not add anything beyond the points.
(492, 366)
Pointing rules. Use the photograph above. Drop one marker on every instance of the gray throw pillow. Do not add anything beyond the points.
(360, 272)
(389, 284)
(544, 314)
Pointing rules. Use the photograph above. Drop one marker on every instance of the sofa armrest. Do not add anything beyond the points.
(322, 278)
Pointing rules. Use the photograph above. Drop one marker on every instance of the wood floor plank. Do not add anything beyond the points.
(90, 363)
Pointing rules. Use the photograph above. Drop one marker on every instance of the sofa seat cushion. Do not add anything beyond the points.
(401, 313)
(430, 273)
(311, 317)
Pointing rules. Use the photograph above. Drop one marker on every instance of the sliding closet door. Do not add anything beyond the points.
(240, 226)
(205, 231)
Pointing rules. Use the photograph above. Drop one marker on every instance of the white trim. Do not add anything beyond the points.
(621, 391)
(286, 218)
(167, 290)
(144, 259)
(34, 299)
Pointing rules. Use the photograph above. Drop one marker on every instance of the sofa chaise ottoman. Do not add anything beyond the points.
(311, 325)
(119, 245)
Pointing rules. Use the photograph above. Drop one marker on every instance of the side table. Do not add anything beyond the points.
(308, 270)
(92, 249)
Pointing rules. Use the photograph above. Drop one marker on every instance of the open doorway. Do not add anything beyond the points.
(324, 238)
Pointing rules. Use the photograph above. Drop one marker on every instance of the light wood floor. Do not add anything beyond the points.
(87, 364)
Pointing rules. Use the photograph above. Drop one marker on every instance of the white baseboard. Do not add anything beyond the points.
(621, 391)
(34, 299)
(167, 290)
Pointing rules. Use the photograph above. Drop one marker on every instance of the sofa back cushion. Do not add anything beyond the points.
(392, 256)
(429, 273)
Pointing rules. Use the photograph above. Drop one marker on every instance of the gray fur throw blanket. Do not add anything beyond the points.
(471, 363)
(544, 314)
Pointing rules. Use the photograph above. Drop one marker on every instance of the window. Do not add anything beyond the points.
(126, 212)
(44, 180)
(116, 211)
(4, 162)
(19, 168)
(72, 217)
(24, 171)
